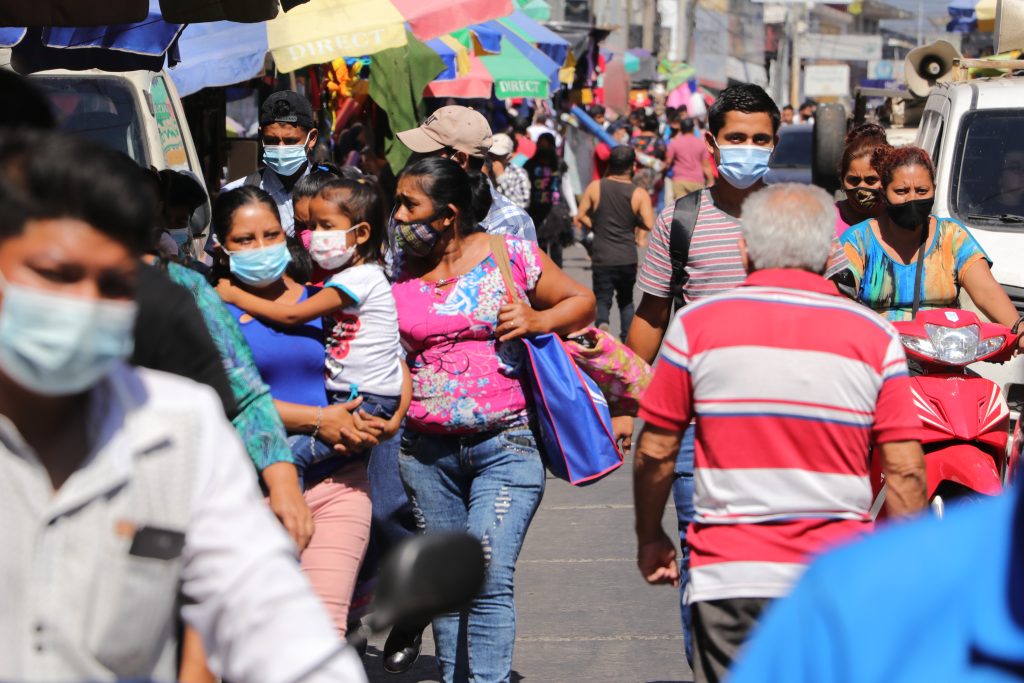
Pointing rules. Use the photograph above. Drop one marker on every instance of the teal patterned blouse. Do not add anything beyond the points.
(257, 422)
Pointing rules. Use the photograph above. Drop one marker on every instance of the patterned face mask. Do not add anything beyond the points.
(417, 239)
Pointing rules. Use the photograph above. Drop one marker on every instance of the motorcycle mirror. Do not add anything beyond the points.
(426, 576)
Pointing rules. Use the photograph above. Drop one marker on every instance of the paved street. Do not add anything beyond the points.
(584, 612)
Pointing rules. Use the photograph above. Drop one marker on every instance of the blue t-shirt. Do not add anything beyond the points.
(290, 359)
(929, 600)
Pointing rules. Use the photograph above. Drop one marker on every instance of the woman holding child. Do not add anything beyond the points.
(334, 405)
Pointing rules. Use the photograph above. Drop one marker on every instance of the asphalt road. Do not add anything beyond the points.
(584, 612)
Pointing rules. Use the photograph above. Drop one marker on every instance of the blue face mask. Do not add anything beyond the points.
(260, 267)
(743, 165)
(58, 345)
(286, 160)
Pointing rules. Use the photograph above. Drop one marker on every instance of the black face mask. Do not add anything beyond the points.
(910, 214)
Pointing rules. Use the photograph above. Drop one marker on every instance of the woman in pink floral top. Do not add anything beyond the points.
(470, 458)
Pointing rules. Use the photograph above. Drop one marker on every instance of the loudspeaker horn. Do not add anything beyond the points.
(928, 65)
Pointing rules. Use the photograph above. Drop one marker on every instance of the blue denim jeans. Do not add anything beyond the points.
(682, 494)
(489, 484)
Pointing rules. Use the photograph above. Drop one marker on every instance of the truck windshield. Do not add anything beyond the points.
(794, 148)
(101, 109)
(988, 171)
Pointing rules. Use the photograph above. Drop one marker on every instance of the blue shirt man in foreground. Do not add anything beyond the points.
(932, 600)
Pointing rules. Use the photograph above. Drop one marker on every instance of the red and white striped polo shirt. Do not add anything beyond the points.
(790, 384)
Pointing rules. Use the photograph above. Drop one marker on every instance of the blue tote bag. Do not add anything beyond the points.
(575, 424)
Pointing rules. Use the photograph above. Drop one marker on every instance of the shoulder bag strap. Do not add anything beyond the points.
(500, 251)
(684, 220)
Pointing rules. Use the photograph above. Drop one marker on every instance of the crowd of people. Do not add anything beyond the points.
(362, 350)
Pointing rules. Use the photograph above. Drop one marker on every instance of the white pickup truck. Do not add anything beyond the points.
(974, 131)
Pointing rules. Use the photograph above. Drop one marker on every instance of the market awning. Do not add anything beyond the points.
(434, 18)
(547, 41)
(967, 16)
(541, 61)
(46, 13)
(511, 74)
(219, 53)
(515, 74)
(476, 84)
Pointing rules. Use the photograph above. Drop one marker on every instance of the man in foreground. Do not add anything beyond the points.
(791, 386)
(127, 497)
(960, 615)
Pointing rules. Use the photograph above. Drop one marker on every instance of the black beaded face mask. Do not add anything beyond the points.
(910, 214)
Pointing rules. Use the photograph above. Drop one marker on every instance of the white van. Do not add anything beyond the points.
(974, 131)
(135, 112)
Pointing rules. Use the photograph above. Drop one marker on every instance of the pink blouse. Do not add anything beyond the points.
(463, 380)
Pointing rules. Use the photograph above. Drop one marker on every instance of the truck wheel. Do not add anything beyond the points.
(827, 145)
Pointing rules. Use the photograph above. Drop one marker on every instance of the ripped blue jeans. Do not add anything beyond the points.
(489, 484)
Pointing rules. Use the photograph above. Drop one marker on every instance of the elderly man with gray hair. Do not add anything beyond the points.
(792, 386)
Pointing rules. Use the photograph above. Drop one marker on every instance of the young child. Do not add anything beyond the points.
(363, 354)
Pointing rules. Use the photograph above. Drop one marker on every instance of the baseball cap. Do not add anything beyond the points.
(455, 126)
(502, 145)
(287, 106)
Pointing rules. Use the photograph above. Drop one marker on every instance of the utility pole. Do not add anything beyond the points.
(686, 19)
(650, 11)
(629, 24)
(794, 17)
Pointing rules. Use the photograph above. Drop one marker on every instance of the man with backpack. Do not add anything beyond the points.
(694, 252)
(288, 135)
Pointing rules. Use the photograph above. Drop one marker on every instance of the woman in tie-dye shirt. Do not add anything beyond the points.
(883, 252)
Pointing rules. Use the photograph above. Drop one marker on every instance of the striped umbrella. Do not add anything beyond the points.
(510, 74)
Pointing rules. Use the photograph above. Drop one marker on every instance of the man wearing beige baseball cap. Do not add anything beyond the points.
(464, 136)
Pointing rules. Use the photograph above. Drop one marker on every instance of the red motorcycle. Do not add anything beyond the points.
(965, 421)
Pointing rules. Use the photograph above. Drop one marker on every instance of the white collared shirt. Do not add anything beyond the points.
(86, 599)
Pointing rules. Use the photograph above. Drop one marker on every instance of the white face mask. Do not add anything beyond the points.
(329, 248)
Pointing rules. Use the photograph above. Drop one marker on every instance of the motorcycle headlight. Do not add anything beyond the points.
(956, 346)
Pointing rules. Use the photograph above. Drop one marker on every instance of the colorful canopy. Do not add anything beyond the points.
(547, 41)
(511, 74)
(967, 16)
(433, 18)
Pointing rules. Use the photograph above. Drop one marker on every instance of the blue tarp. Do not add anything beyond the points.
(151, 37)
(448, 56)
(219, 53)
(547, 41)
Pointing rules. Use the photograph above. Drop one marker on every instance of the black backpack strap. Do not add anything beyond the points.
(253, 179)
(684, 220)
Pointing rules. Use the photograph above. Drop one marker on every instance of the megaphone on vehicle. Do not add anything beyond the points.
(928, 65)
